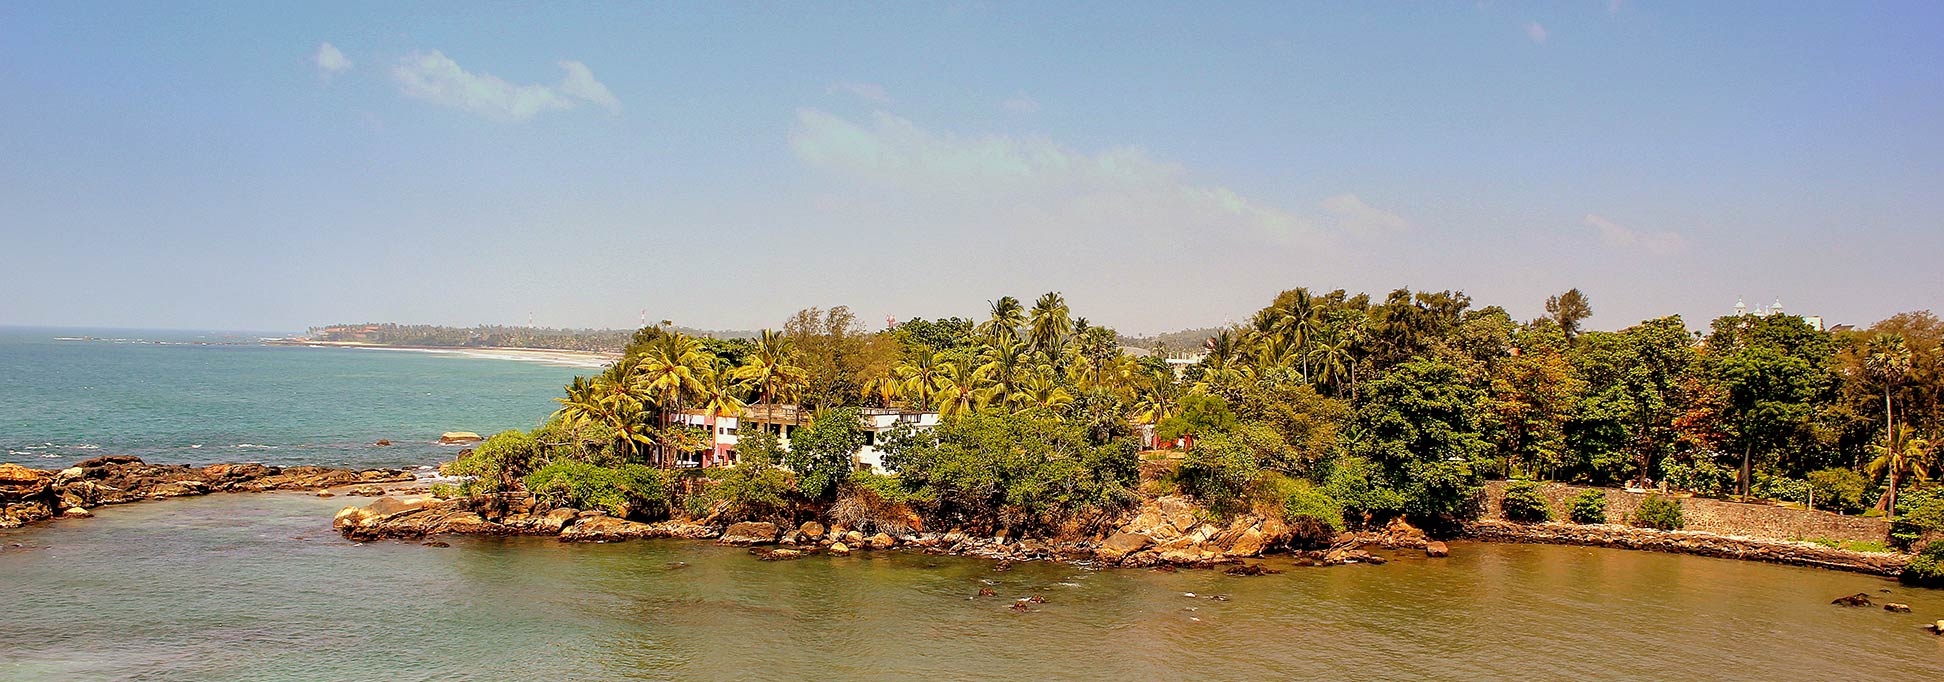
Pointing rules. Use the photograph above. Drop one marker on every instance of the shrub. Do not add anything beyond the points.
(752, 490)
(1523, 502)
(1919, 512)
(1702, 476)
(494, 464)
(1360, 485)
(1927, 568)
(1223, 464)
(1838, 489)
(820, 453)
(619, 491)
(1589, 507)
(1658, 512)
(1314, 517)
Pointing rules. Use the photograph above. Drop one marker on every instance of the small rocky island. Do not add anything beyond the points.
(28, 495)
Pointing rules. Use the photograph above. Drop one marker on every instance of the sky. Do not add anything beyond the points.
(276, 166)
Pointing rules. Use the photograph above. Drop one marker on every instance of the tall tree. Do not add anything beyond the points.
(1900, 457)
(771, 369)
(1887, 359)
(1567, 310)
(1004, 322)
(1050, 324)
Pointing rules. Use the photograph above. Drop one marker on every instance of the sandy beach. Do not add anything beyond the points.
(573, 358)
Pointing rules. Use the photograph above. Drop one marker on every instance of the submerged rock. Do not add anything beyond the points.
(1858, 599)
(1894, 607)
(749, 533)
(1436, 549)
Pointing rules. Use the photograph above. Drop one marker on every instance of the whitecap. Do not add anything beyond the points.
(254, 445)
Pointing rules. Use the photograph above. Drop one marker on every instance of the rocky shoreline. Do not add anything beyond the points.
(1165, 532)
(32, 495)
(1689, 542)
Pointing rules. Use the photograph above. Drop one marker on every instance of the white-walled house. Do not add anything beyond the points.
(785, 419)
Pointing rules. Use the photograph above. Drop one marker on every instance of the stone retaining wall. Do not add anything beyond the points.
(1720, 517)
(1689, 542)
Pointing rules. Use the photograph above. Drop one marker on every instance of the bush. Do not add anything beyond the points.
(1702, 476)
(1919, 512)
(1360, 485)
(753, 491)
(1589, 507)
(1658, 512)
(1524, 503)
(495, 463)
(1927, 568)
(1220, 468)
(619, 491)
(1314, 517)
(1838, 489)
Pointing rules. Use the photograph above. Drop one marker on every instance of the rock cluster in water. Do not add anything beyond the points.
(1169, 531)
(29, 495)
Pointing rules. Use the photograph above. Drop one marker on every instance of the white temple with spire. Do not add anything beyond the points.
(1741, 308)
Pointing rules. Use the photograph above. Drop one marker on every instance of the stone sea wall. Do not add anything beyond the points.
(1689, 542)
(1719, 517)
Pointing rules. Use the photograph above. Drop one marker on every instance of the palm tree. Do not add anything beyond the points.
(719, 397)
(671, 373)
(1334, 363)
(962, 388)
(1905, 456)
(1567, 310)
(919, 378)
(1158, 399)
(772, 370)
(1887, 357)
(1297, 322)
(1006, 363)
(1007, 317)
(1042, 391)
(1050, 324)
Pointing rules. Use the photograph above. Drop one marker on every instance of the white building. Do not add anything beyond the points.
(1741, 308)
(786, 419)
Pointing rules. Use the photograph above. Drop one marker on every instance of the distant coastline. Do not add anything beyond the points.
(576, 358)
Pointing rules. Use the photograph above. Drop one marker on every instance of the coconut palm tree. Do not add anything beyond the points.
(1335, 363)
(1007, 317)
(1042, 390)
(1006, 364)
(1902, 458)
(1050, 324)
(962, 389)
(918, 379)
(771, 369)
(672, 368)
(1297, 322)
(1158, 399)
(1887, 359)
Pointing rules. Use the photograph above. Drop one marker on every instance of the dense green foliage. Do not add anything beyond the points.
(1523, 502)
(1017, 471)
(820, 453)
(626, 490)
(1391, 405)
(1658, 512)
(1927, 568)
(1589, 507)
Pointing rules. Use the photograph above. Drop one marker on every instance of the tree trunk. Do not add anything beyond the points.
(1746, 453)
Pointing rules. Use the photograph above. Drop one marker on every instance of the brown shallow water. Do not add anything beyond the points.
(257, 587)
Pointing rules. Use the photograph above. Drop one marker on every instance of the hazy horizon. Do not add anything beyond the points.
(212, 166)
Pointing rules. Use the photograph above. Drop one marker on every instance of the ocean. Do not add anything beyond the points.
(207, 397)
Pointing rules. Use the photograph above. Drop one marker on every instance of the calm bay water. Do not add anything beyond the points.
(174, 397)
(257, 587)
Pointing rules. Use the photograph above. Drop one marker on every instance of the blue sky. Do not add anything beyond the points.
(1166, 166)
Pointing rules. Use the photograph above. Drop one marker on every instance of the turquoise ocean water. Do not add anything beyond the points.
(206, 397)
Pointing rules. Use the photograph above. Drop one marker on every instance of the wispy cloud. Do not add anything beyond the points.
(868, 92)
(1020, 104)
(1037, 185)
(1536, 32)
(1622, 237)
(1352, 214)
(330, 61)
(434, 77)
